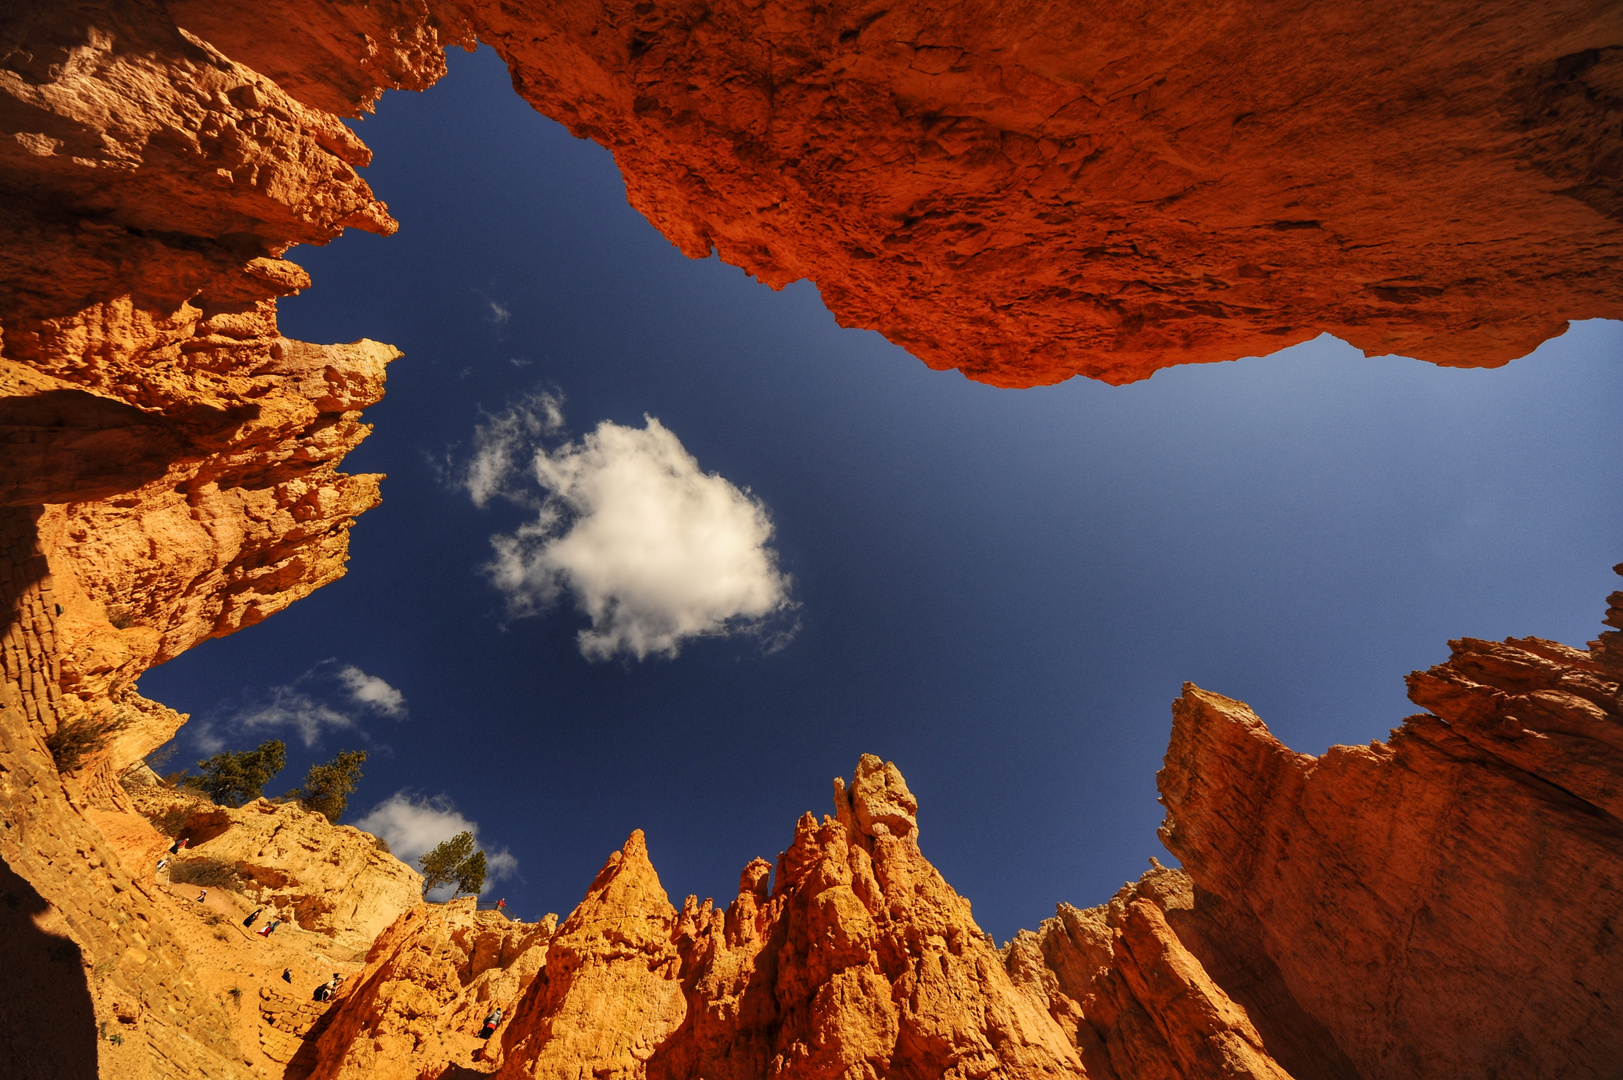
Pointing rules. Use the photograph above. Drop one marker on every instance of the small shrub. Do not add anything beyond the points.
(207, 873)
(116, 1039)
(381, 844)
(71, 743)
(236, 994)
(122, 616)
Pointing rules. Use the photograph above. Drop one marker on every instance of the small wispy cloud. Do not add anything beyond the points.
(654, 550)
(372, 692)
(505, 445)
(413, 825)
(330, 697)
(500, 313)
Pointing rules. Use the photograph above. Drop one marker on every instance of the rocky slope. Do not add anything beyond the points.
(430, 980)
(1022, 192)
(328, 879)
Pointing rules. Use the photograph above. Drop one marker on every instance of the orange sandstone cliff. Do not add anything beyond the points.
(1023, 192)
(1028, 191)
(1421, 908)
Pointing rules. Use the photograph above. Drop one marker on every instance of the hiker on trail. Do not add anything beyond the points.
(491, 1021)
(272, 925)
(161, 864)
(501, 903)
(323, 992)
(202, 896)
(177, 847)
(287, 975)
(249, 921)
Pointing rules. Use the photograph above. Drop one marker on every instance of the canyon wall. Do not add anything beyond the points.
(1032, 190)
(1023, 192)
(1440, 905)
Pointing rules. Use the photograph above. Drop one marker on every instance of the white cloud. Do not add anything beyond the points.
(499, 313)
(303, 707)
(289, 707)
(504, 446)
(652, 548)
(413, 825)
(372, 692)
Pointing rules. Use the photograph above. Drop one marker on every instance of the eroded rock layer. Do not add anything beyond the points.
(1027, 191)
(1024, 192)
(1422, 908)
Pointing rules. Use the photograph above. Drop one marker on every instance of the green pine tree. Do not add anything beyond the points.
(470, 874)
(327, 786)
(235, 777)
(455, 862)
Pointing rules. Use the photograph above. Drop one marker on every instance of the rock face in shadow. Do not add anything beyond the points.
(1022, 192)
(50, 1032)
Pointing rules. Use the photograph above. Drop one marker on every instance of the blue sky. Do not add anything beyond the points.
(1002, 591)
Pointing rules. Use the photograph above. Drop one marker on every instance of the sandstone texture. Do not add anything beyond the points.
(1031, 191)
(1422, 908)
(1460, 878)
(169, 470)
(1023, 192)
(328, 879)
(430, 980)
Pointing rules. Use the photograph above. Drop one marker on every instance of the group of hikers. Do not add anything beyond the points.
(265, 931)
(203, 894)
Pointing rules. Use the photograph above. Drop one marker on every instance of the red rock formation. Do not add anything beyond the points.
(1024, 193)
(1421, 908)
(1138, 1003)
(860, 962)
(1031, 191)
(430, 981)
(1443, 904)
(170, 461)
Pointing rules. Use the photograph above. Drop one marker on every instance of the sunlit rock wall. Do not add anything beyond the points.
(1024, 192)
(1029, 190)
(169, 466)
